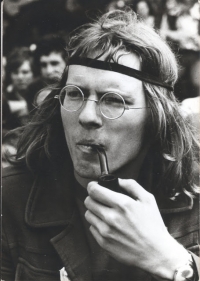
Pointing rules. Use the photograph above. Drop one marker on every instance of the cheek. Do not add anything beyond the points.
(64, 120)
(13, 77)
(144, 128)
(60, 68)
(43, 71)
(133, 136)
(137, 122)
(68, 121)
(29, 77)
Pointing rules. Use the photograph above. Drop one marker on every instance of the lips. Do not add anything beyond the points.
(22, 84)
(89, 145)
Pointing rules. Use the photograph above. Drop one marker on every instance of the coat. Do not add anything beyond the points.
(42, 230)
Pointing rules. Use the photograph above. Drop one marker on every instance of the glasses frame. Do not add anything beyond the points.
(126, 107)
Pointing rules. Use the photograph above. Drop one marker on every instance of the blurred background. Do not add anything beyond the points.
(35, 33)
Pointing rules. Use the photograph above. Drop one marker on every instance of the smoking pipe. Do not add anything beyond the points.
(106, 179)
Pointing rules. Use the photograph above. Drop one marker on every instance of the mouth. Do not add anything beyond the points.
(22, 84)
(88, 146)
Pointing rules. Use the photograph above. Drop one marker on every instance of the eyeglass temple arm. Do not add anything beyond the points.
(128, 107)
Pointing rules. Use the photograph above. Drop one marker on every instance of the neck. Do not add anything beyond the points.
(82, 181)
(20, 94)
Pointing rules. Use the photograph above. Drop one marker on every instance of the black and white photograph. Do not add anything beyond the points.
(100, 140)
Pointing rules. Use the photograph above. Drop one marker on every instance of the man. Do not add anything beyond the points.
(50, 59)
(50, 55)
(115, 99)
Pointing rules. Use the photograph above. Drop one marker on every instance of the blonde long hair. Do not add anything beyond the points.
(174, 147)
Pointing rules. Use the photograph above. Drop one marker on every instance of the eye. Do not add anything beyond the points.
(73, 93)
(43, 64)
(25, 72)
(112, 99)
(54, 63)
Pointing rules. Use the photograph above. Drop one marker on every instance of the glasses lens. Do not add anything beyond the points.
(71, 98)
(112, 105)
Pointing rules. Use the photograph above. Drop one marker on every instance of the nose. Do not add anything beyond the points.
(49, 69)
(20, 76)
(90, 115)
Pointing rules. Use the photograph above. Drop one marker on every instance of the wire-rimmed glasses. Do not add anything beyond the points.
(112, 105)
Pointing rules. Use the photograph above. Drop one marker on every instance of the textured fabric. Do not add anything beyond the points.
(43, 231)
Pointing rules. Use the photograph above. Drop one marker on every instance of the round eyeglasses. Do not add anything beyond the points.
(112, 105)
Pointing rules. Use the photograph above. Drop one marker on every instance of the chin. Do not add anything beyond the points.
(86, 173)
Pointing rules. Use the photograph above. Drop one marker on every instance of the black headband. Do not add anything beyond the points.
(143, 76)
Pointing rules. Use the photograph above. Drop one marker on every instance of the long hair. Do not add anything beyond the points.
(173, 145)
(15, 59)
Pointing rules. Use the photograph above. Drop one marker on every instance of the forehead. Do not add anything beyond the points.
(53, 56)
(142, 3)
(79, 74)
(26, 65)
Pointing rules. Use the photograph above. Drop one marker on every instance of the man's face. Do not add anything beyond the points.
(52, 67)
(22, 77)
(123, 139)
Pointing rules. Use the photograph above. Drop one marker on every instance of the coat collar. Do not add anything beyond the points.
(73, 249)
(51, 203)
(51, 200)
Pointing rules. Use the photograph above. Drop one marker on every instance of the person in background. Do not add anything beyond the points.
(191, 109)
(180, 27)
(143, 10)
(50, 60)
(19, 73)
(114, 103)
(191, 106)
(180, 24)
(117, 4)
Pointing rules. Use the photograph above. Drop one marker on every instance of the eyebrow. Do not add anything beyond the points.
(125, 95)
(110, 66)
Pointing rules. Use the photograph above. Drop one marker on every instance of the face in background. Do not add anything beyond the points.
(174, 8)
(124, 139)
(52, 67)
(22, 77)
(142, 9)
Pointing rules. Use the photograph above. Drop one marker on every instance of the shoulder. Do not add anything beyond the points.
(10, 94)
(37, 84)
(16, 184)
(13, 172)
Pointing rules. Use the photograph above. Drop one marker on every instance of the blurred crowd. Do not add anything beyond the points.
(35, 36)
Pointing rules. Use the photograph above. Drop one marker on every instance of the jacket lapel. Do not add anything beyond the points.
(51, 204)
(72, 247)
(50, 201)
